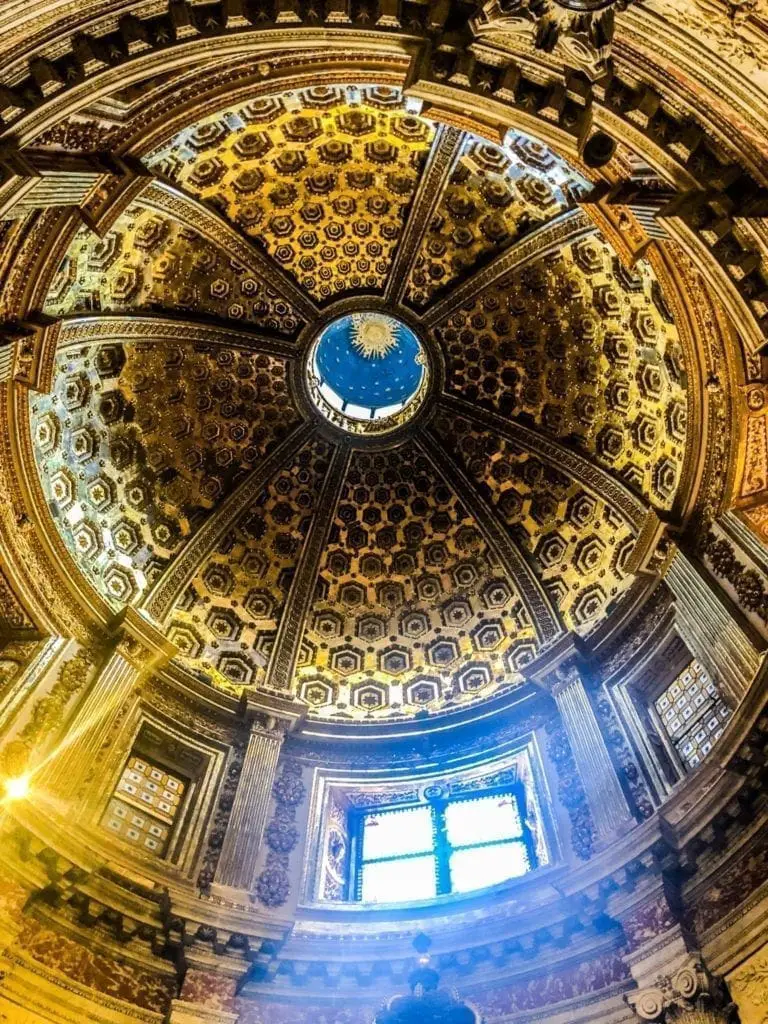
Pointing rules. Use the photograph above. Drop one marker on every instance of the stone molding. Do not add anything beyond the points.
(182, 1012)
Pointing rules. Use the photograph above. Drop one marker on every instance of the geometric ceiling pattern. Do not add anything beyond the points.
(411, 608)
(148, 261)
(322, 183)
(137, 444)
(494, 196)
(582, 348)
(185, 476)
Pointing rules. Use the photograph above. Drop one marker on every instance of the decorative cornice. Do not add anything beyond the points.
(159, 602)
(444, 155)
(541, 609)
(562, 230)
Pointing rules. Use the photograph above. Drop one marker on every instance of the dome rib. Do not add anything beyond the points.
(563, 229)
(185, 209)
(165, 328)
(588, 472)
(542, 610)
(447, 148)
(285, 652)
(159, 602)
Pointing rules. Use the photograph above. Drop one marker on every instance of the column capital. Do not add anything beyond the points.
(140, 641)
(691, 993)
(272, 712)
(558, 664)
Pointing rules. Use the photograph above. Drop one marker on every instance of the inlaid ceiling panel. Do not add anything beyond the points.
(148, 261)
(495, 195)
(321, 178)
(576, 542)
(412, 611)
(137, 444)
(585, 350)
(225, 621)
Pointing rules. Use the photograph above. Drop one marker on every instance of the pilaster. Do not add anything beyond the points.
(137, 648)
(712, 628)
(558, 671)
(270, 719)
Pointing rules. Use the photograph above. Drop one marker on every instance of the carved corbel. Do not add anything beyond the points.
(580, 32)
(653, 548)
(34, 342)
(140, 642)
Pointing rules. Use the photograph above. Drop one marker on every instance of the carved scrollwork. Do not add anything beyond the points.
(691, 995)
(579, 31)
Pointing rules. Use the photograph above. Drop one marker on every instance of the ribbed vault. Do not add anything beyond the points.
(187, 477)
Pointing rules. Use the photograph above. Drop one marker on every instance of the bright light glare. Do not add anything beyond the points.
(487, 865)
(396, 833)
(396, 881)
(482, 821)
(17, 788)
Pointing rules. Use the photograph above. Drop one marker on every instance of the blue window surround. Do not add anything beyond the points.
(441, 848)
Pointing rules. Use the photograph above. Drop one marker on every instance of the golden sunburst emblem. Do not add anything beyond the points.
(373, 335)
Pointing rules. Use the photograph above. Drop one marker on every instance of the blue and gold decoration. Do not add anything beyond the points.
(370, 360)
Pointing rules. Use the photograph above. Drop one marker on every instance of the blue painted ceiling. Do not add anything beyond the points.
(363, 380)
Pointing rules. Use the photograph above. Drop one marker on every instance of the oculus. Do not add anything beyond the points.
(367, 372)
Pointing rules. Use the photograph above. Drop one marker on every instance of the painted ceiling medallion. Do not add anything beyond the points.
(374, 335)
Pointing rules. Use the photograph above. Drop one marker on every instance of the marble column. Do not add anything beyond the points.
(269, 722)
(558, 671)
(712, 627)
(137, 648)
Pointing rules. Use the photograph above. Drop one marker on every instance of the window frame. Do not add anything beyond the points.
(441, 849)
(676, 742)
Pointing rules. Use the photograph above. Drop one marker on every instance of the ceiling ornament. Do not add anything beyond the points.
(374, 335)
(579, 31)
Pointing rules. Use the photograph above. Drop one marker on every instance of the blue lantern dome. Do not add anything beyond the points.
(370, 361)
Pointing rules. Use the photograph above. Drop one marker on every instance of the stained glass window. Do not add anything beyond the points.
(144, 806)
(693, 713)
(455, 845)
